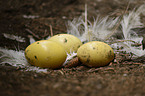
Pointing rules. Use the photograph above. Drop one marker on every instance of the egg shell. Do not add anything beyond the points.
(70, 42)
(46, 54)
(95, 54)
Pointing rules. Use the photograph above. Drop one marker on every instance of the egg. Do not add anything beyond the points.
(95, 54)
(70, 42)
(46, 54)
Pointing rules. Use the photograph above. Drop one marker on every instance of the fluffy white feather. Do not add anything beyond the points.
(17, 59)
(14, 37)
(30, 16)
(36, 69)
(87, 31)
(129, 22)
(70, 56)
(138, 52)
(76, 27)
(14, 58)
(99, 30)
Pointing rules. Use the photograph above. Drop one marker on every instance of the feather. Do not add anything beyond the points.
(70, 56)
(75, 27)
(30, 16)
(14, 58)
(17, 59)
(14, 37)
(99, 30)
(103, 27)
(131, 21)
(138, 52)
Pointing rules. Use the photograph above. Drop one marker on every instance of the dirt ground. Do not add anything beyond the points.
(123, 78)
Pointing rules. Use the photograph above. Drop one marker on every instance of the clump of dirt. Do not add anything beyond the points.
(124, 77)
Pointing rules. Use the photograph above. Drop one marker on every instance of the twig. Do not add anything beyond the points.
(45, 34)
(33, 34)
(51, 32)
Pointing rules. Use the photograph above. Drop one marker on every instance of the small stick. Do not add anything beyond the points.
(51, 32)
(45, 34)
(29, 31)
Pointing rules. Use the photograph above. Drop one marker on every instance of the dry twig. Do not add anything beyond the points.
(32, 33)
(51, 30)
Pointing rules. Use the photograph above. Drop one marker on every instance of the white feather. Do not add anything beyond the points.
(141, 9)
(70, 56)
(14, 37)
(17, 59)
(129, 22)
(30, 16)
(36, 69)
(75, 27)
(138, 52)
(99, 30)
(14, 58)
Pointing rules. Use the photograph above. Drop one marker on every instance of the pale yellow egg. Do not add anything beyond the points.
(95, 54)
(70, 42)
(45, 54)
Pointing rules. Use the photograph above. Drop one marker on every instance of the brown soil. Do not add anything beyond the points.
(123, 78)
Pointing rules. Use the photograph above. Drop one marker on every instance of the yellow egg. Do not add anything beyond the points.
(70, 42)
(45, 54)
(95, 54)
